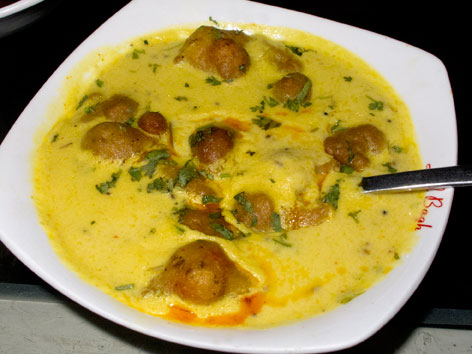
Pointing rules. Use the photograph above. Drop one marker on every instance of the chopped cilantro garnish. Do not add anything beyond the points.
(355, 215)
(211, 19)
(161, 185)
(282, 240)
(246, 204)
(153, 66)
(215, 215)
(210, 199)
(213, 81)
(207, 175)
(181, 98)
(347, 78)
(332, 197)
(266, 123)
(270, 101)
(346, 169)
(89, 109)
(227, 234)
(187, 173)
(294, 104)
(104, 187)
(390, 168)
(136, 53)
(336, 127)
(297, 50)
(99, 82)
(199, 135)
(179, 229)
(124, 287)
(397, 149)
(275, 222)
(375, 105)
(153, 158)
(82, 101)
(54, 138)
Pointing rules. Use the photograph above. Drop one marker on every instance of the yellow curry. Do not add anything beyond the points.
(211, 175)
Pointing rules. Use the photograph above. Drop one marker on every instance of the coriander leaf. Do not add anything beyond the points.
(227, 234)
(332, 197)
(187, 173)
(346, 169)
(335, 127)
(213, 81)
(375, 105)
(179, 229)
(282, 240)
(347, 78)
(266, 123)
(199, 135)
(213, 20)
(89, 109)
(246, 204)
(99, 82)
(272, 102)
(354, 215)
(153, 158)
(124, 287)
(82, 101)
(105, 186)
(259, 108)
(397, 149)
(390, 168)
(294, 104)
(153, 66)
(275, 222)
(135, 173)
(136, 52)
(210, 199)
(297, 50)
(159, 184)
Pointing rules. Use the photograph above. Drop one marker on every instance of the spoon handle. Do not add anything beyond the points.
(454, 176)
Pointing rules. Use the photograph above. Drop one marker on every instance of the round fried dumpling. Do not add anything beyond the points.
(119, 108)
(216, 51)
(209, 222)
(282, 58)
(210, 144)
(293, 86)
(201, 273)
(254, 210)
(118, 141)
(153, 123)
(351, 146)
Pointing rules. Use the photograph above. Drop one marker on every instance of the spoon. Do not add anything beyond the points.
(454, 176)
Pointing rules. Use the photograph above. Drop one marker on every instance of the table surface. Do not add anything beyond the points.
(30, 55)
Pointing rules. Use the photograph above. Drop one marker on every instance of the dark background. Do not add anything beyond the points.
(29, 56)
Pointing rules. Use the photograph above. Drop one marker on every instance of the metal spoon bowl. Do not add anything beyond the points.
(454, 176)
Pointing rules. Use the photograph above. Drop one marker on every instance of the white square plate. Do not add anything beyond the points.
(419, 78)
